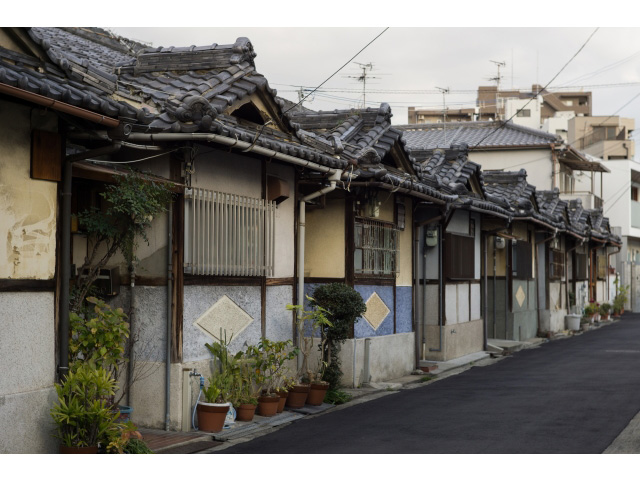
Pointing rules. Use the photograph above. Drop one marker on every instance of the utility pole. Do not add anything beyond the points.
(444, 113)
(497, 79)
(300, 98)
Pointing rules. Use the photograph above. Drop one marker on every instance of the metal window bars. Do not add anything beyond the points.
(376, 248)
(228, 234)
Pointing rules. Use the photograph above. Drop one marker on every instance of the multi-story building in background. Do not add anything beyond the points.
(494, 104)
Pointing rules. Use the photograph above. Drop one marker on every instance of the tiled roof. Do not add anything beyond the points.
(194, 89)
(171, 89)
(348, 132)
(451, 168)
(429, 136)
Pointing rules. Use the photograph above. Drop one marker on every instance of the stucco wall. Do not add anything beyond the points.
(537, 163)
(324, 240)
(27, 207)
(405, 246)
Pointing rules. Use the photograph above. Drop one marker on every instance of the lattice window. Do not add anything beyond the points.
(521, 260)
(459, 256)
(580, 267)
(376, 248)
(602, 267)
(556, 264)
(228, 234)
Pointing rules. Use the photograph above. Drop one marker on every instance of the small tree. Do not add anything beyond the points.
(131, 204)
(344, 305)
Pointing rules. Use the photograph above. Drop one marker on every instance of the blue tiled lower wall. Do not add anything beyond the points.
(403, 314)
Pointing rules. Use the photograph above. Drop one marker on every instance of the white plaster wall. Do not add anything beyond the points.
(28, 208)
(228, 172)
(537, 163)
(475, 301)
(617, 205)
(285, 240)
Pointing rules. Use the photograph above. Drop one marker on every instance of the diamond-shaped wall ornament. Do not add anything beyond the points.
(225, 314)
(376, 312)
(520, 296)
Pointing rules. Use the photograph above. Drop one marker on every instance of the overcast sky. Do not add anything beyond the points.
(409, 64)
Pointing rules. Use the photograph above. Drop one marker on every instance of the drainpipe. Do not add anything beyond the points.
(167, 384)
(333, 179)
(440, 289)
(65, 255)
(245, 147)
(608, 263)
(59, 106)
(420, 337)
(544, 240)
(132, 316)
(593, 274)
(566, 272)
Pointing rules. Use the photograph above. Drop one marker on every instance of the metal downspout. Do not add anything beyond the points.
(485, 326)
(65, 256)
(167, 384)
(566, 273)
(440, 289)
(335, 176)
(132, 317)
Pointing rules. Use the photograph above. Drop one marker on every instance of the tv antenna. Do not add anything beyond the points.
(444, 92)
(366, 68)
(497, 79)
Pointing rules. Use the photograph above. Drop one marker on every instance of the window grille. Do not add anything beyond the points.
(602, 267)
(376, 248)
(521, 260)
(556, 264)
(459, 256)
(228, 234)
(580, 267)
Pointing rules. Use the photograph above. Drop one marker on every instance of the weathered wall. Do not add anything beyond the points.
(28, 210)
(457, 340)
(27, 207)
(405, 246)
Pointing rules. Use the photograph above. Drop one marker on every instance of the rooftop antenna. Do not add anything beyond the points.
(366, 68)
(444, 91)
(497, 79)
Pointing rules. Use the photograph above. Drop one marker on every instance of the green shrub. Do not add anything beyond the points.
(344, 305)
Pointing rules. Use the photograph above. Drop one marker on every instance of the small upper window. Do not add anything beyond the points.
(524, 113)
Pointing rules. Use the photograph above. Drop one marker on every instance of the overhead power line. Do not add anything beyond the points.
(544, 88)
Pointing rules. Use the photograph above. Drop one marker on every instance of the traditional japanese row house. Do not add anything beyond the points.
(269, 201)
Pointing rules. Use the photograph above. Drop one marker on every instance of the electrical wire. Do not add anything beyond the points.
(544, 88)
(337, 71)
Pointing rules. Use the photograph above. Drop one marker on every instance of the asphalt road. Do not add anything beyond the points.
(567, 396)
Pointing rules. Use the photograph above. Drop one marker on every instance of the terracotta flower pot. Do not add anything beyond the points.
(283, 400)
(298, 395)
(64, 449)
(245, 412)
(268, 406)
(211, 416)
(317, 393)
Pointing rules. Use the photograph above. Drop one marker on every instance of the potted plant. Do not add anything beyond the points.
(213, 411)
(83, 415)
(309, 323)
(590, 310)
(99, 335)
(246, 388)
(620, 299)
(605, 308)
(270, 360)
